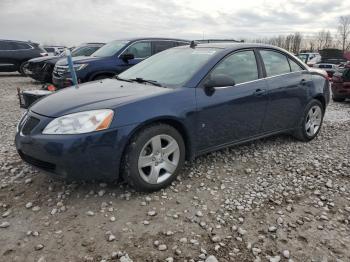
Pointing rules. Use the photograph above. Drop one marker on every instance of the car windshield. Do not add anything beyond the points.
(303, 57)
(172, 68)
(110, 49)
(84, 50)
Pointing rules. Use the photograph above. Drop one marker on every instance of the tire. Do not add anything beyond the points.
(22, 68)
(338, 99)
(309, 128)
(144, 169)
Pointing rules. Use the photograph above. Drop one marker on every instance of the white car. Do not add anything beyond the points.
(310, 58)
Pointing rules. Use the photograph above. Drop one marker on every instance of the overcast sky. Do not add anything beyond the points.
(74, 21)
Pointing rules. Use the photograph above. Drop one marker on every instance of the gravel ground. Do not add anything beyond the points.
(275, 199)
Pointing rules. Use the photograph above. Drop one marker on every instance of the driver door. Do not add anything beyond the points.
(140, 50)
(232, 113)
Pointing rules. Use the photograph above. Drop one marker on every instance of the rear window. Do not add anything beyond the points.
(275, 63)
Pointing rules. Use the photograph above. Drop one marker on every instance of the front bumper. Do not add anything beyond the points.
(95, 155)
(40, 72)
(62, 82)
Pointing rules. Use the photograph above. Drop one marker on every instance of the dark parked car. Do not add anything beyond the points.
(14, 54)
(341, 84)
(113, 58)
(176, 105)
(331, 59)
(41, 68)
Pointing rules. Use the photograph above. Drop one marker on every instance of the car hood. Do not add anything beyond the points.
(43, 59)
(79, 60)
(108, 93)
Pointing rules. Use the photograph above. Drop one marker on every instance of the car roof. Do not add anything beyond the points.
(234, 46)
(153, 38)
(20, 41)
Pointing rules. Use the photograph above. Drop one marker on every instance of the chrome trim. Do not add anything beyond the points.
(4, 64)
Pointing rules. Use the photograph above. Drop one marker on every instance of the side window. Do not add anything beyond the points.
(294, 66)
(160, 46)
(140, 50)
(6, 46)
(241, 66)
(275, 63)
(20, 46)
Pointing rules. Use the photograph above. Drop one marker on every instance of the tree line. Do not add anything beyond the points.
(297, 42)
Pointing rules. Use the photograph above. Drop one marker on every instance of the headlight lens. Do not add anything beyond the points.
(79, 123)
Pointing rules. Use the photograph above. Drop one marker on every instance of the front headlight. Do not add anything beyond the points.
(79, 123)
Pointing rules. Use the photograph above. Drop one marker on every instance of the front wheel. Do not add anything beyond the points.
(153, 158)
(311, 122)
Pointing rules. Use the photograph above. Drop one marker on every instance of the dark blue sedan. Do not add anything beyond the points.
(176, 105)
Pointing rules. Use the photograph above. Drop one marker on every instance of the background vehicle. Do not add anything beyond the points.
(113, 58)
(14, 54)
(54, 50)
(310, 58)
(173, 106)
(41, 69)
(341, 84)
(331, 59)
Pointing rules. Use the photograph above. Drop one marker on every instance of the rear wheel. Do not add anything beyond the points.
(311, 122)
(338, 99)
(153, 158)
(22, 68)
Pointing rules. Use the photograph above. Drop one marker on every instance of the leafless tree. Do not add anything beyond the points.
(324, 39)
(344, 31)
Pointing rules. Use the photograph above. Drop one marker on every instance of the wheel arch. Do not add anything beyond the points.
(171, 121)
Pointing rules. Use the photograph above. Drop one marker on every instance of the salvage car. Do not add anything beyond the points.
(41, 69)
(310, 58)
(341, 84)
(15, 54)
(54, 50)
(175, 105)
(113, 58)
(331, 59)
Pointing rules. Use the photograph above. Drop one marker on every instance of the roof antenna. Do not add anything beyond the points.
(193, 44)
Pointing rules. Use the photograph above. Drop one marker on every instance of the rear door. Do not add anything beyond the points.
(7, 57)
(287, 90)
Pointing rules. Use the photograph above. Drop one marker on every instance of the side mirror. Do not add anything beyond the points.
(127, 57)
(219, 80)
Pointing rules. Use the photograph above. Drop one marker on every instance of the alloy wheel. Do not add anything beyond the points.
(313, 120)
(159, 159)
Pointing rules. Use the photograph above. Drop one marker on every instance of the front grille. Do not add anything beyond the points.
(29, 125)
(59, 70)
(38, 163)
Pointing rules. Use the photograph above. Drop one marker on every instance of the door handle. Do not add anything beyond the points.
(259, 92)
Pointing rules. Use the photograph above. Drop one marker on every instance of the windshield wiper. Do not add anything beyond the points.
(141, 80)
(122, 79)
